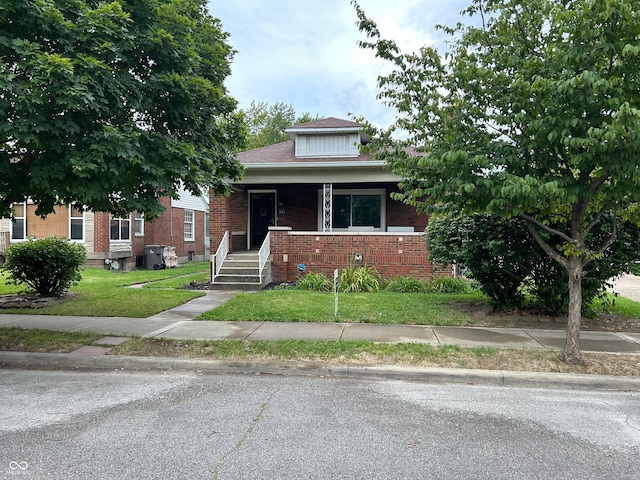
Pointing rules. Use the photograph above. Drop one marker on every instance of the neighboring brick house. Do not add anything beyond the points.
(119, 243)
(324, 205)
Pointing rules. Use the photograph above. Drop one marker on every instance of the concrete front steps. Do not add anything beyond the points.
(240, 271)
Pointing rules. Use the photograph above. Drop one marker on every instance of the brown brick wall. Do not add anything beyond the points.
(300, 204)
(101, 235)
(392, 254)
(228, 214)
(168, 229)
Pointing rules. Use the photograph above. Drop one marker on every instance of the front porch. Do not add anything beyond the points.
(320, 227)
(286, 254)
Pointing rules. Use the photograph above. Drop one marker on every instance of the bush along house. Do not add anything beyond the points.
(313, 203)
(120, 243)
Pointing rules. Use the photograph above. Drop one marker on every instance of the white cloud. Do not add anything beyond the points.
(306, 53)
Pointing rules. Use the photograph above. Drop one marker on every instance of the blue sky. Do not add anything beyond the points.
(305, 53)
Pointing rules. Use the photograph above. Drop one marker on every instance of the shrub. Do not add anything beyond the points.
(448, 285)
(505, 260)
(360, 279)
(48, 266)
(406, 285)
(317, 282)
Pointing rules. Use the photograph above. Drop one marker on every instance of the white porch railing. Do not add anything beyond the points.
(218, 258)
(264, 253)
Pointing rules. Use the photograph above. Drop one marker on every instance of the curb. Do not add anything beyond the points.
(324, 369)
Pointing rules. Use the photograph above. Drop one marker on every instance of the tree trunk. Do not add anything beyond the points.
(571, 352)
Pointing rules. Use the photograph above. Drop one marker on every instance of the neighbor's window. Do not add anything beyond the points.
(120, 229)
(138, 224)
(19, 221)
(76, 223)
(189, 225)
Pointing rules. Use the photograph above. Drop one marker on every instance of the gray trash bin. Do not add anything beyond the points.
(153, 257)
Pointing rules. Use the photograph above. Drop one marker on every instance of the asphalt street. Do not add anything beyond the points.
(115, 425)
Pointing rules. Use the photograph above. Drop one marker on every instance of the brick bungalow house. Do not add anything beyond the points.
(315, 203)
(118, 243)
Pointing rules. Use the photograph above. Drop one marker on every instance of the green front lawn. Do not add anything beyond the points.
(105, 293)
(307, 306)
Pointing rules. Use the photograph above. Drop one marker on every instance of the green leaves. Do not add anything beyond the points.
(524, 112)
(95, 109)
(48, 266)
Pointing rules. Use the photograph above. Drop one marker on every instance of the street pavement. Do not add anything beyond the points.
(108, 424)
(179, 324)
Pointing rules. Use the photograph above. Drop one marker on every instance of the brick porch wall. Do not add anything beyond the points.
(392, 254)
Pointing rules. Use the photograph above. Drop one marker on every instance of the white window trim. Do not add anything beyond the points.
(138, 217)
(357, 191)
(120, 240)
(192, 238)
(84, 224)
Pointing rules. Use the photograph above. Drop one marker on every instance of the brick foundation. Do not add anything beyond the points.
(392, 254)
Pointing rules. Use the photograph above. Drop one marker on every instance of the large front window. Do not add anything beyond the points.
(120, 229)
(356, 210)
(352, 211)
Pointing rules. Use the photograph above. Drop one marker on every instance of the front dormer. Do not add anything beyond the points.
(329, 137)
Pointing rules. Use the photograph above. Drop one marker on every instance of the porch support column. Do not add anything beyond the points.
(327, 207)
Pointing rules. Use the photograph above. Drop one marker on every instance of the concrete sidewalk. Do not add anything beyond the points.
(178, 324)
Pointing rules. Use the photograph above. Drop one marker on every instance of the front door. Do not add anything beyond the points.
(262, 216)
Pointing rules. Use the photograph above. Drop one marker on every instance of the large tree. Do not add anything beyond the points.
(113, 104)
(265, 122)
(533, 112)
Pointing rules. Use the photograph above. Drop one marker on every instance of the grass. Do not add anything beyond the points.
(101, 292)
(347, 352)
(39, 340)
(179, 282)
(306, 306)
(620, 305)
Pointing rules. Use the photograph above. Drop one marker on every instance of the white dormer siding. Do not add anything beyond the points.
(334, 145)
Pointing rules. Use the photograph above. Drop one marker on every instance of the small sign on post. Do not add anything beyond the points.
(335, 292)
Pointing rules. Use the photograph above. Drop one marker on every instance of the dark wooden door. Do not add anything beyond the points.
(262, 216)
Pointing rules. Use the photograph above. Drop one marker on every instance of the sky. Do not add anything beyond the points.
(305, 53)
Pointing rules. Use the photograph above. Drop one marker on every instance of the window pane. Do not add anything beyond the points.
(188, 225)
(114, 230)
(139, 223)
(341, 211)
(17, 229)
(76, 229)
(365, 210)
(124, 229)
(18, 209)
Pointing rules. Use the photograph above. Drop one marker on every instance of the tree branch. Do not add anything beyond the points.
(599, 182)
(546, 247)
(553, 231)
(612, 238)
(596, 219)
